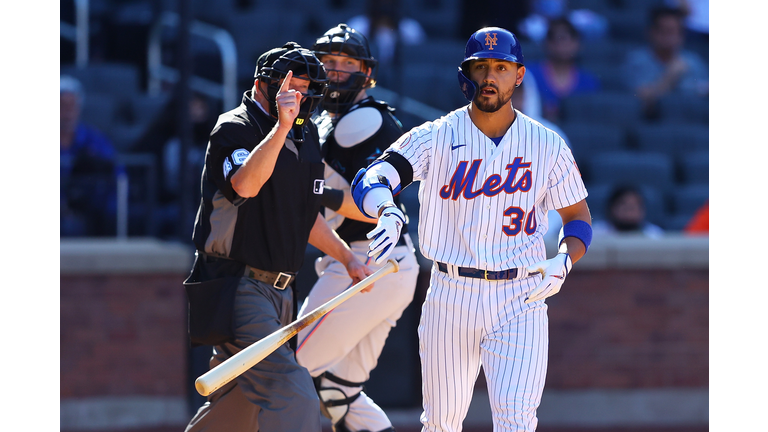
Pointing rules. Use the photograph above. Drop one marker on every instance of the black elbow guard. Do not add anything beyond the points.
(332, 198)
(401, 164)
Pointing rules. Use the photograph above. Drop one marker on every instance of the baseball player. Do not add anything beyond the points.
(261, 194)
(488, 174)
(341, 350)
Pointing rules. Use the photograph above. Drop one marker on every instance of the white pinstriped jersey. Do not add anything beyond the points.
(484, 206)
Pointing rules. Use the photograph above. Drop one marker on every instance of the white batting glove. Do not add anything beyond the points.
(386, 234)
(553, 273)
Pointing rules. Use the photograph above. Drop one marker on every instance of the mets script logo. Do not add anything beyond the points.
(462, 181)
(515, 220)
(490, 42)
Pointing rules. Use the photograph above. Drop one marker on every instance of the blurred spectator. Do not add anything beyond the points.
(663, 66)
(559, 76)
(699, 223)
(88, 170)
(625, 213)
(386, 29)
(696, 23)
(163, 140)
(534, 26)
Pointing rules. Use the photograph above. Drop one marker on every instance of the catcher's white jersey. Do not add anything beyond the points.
(485, 206)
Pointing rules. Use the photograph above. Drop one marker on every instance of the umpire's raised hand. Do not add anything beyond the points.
(288, 102)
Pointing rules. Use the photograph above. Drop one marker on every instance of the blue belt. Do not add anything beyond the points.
(481, 274)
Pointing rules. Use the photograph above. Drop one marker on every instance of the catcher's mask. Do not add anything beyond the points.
(344, 40)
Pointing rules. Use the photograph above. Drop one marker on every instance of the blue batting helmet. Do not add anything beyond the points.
(488, 42)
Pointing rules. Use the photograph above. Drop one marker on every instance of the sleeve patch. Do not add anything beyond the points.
(239, 156)
(227, 167)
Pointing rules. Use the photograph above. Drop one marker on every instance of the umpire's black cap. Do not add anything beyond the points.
(269, 57)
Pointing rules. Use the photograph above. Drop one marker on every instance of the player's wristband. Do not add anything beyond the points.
(332, 198)
(579, 229)
(386, 206)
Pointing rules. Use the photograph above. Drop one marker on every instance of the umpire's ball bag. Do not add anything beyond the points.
(211, 292)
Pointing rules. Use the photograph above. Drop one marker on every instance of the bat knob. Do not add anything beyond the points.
(394, 264)
(202, 388)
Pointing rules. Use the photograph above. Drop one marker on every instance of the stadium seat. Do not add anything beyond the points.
(257, 31)
(593, 5)
(686, 199)
(145, 108)
(120, 80)
(99, 111)
(628, 167)
(124, 136)
(629, 24)
(674, 139)
(444, 52)
(608, 73)
(606, 107)
(440, 90)
(605, 51)
(586, 139)
(681, 108)
(694, 167)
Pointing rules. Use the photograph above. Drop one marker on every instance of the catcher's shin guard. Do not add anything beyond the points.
(348, 407)
(335, 396)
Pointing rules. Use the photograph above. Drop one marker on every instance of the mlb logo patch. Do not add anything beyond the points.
(319, 187)
(239, 156)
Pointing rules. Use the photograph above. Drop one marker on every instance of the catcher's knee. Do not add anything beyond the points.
(336, 394)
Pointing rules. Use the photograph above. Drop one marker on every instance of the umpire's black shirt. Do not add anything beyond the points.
(269, 231)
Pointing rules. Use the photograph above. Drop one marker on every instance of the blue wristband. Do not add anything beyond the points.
(579, 229)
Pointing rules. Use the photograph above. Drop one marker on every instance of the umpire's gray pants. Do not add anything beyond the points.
(274, 395)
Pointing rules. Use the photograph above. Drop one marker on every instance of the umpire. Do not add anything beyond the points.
(262, 187)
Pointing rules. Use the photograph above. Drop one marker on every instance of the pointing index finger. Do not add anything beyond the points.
(285, 86)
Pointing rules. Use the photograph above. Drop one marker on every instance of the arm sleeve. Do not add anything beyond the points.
(227, 151)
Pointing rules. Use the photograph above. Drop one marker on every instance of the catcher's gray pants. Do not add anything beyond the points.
(274, 395)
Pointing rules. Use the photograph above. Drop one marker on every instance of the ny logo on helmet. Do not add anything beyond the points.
(490, 41)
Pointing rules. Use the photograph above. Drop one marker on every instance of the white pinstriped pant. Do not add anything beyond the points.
(466, 323)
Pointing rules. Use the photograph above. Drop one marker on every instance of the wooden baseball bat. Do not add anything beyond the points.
(234, 366)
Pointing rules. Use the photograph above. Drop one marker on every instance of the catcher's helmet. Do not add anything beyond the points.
(346, 40)
(274, 65)
(488, 42)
